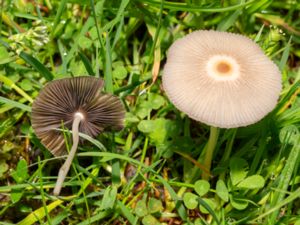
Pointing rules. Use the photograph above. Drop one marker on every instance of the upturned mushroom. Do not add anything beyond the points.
(78, 104)
(221, 79)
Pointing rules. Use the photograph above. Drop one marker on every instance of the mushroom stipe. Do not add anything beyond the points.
(63, 171)
(80, 105)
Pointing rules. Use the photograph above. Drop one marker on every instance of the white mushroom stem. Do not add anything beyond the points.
(212, 141)
(63, 171)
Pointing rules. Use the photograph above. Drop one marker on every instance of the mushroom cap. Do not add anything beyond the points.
(60, 100)
(221, 79)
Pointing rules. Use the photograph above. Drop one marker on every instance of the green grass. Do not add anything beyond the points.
(147, 173)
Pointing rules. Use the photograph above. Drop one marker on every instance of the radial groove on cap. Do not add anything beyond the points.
(59, 100)
(237, 101)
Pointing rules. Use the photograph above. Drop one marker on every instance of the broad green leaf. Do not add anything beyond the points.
(109, 198)
(130, 118)
(238, 203)
(120, 73)
(77, 67)
(3, 52)
(202, 187)
(4, 56)
(150, 220)
(25, 128)
(238, 170)
(146, 104)
(93, 33)
(159, 130)
(21, 172)
(198, 221)
(26, 85)
(3, 167)
(252, 182)
(147, 126)
(141, 208)
(84, 42)
(143, 109)
(222, 190)
(7, 146)
(154, 205)
(297, 222)
(16, 195)
(190, 200)
(156, 100)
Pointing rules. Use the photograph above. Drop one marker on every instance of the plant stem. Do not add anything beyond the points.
(212, 141)
(63, 171)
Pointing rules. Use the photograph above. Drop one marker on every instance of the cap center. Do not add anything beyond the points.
(222, 67)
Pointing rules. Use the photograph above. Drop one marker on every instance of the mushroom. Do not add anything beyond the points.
(78, 104)
(221, 79)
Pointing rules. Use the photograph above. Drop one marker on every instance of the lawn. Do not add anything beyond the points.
(162, 167)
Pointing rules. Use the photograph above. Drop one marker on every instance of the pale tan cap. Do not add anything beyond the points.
(221, 79)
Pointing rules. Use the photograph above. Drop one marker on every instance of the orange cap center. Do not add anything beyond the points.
(224, 68)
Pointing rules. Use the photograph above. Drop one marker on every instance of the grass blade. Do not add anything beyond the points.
(290, 198)
(39, 213)
(60, 10)
(88, 24)
(207, 207)
(97, 217)
(37, 65)
(230, 20)
(126, 212)
(193, 8)
(13, 103)
(12, 85)
(285, 179)
(7, 125)
(108, 68)
(285, 55)
(87, 64)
